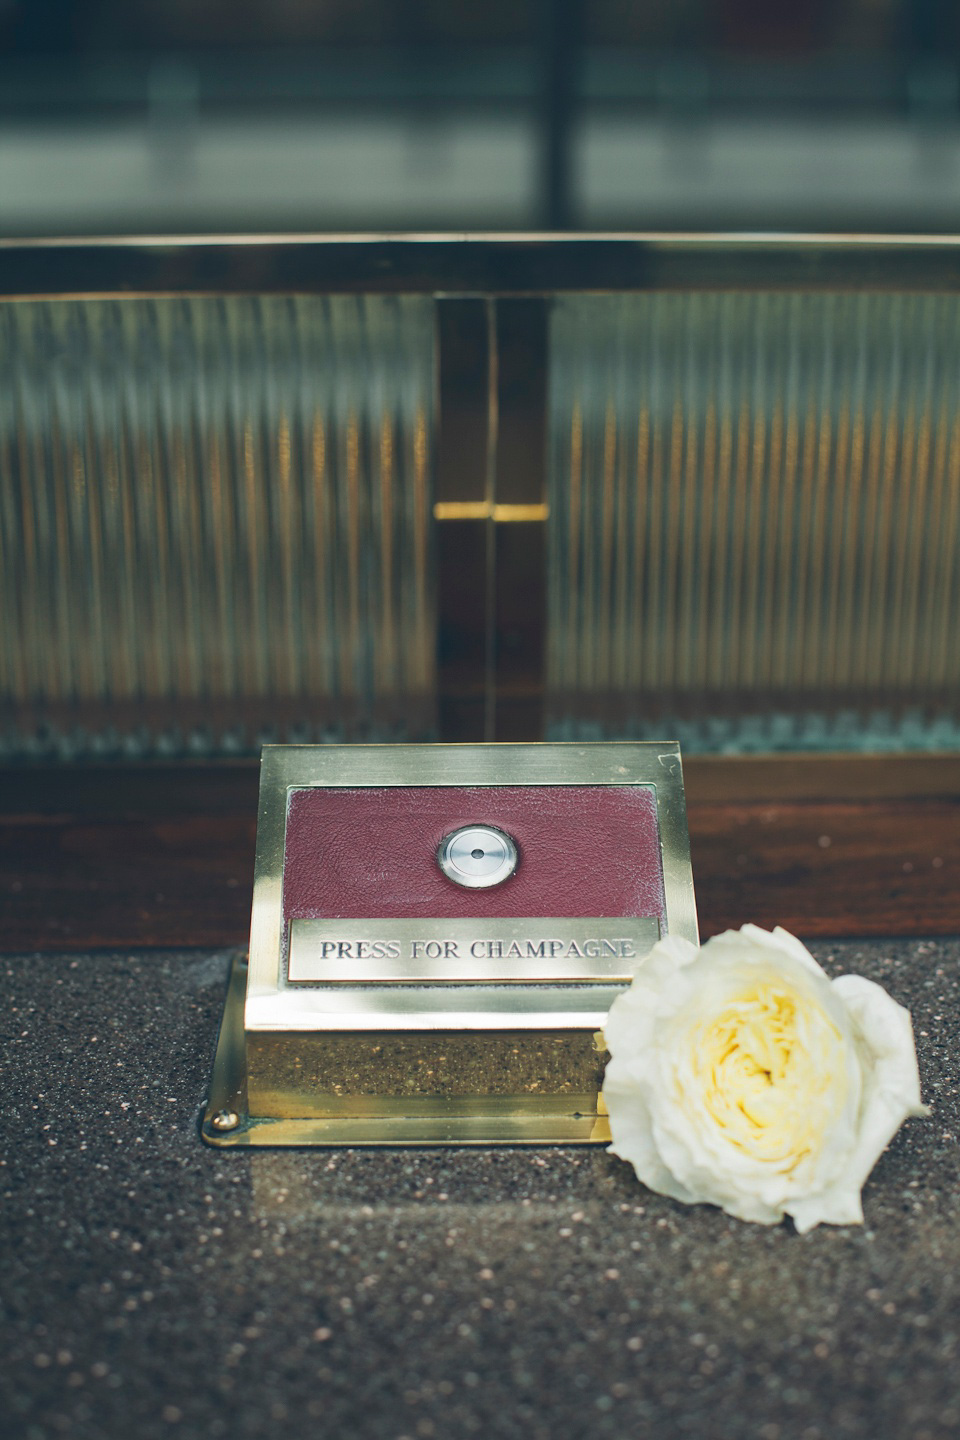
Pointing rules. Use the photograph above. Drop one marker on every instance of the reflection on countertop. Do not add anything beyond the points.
(157, 1287)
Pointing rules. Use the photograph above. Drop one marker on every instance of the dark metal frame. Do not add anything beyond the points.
(488, 265)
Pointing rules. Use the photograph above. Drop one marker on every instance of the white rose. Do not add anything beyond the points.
(741, 1075)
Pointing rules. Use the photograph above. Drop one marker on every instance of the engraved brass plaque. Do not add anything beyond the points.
(386, 1001)
(433, 952)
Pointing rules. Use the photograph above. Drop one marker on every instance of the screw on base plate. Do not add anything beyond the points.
(226, 1120)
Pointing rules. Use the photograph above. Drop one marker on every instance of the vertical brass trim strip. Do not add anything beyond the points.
(518, 522)
(462, 515)
(489, 531)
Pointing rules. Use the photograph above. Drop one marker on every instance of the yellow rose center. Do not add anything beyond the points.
(767, 1069)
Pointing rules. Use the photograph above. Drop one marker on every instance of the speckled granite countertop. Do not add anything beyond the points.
(153, 1287)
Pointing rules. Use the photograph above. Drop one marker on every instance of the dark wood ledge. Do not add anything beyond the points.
(162, 855)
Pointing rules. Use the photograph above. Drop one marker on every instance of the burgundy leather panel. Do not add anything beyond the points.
(589, 850)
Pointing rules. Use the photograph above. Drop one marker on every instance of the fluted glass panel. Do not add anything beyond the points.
(754, 532)
(215, 522)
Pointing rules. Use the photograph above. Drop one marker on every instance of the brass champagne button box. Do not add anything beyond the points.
(438, 932)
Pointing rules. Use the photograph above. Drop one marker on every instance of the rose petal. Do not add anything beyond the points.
(632, 1135)
(855, 1051)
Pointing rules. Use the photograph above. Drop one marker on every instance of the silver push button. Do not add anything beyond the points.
(477, 856)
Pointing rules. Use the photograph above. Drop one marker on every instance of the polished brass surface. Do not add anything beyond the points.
(484, 510)
(286, 767)
(386, 1073)
(428, 952)
(228, 1080)
(496, 1051)
(450, 1004)
(556, 1120)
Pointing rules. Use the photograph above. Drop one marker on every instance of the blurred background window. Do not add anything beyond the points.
(721, 502)
(215, 115)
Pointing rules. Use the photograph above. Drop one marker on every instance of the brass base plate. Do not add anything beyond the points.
(227, 1120)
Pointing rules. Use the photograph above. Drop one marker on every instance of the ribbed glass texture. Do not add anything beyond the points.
(215, 522)
(754, 534)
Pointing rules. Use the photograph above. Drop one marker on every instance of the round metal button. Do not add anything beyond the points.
(477, 856)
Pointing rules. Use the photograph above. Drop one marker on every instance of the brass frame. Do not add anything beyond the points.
(227, 1100)
(270, 1009)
